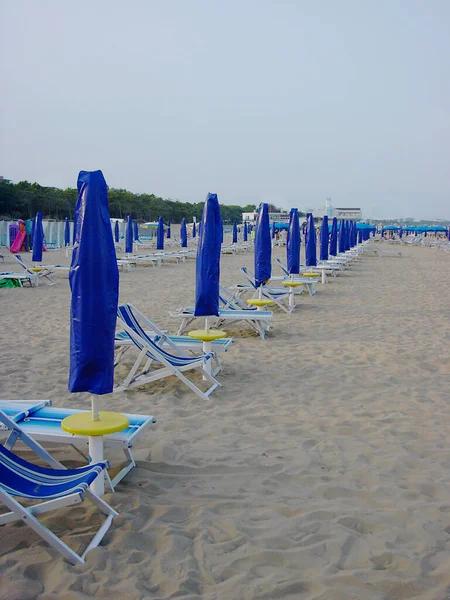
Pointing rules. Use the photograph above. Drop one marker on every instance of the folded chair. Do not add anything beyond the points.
(41, 272)
(56, 486)
(153, 355)
(30, 278)
(178, 344)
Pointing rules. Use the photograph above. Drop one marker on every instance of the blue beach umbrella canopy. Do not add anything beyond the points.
(38, 238)
(129, 236)
(333, 238)
(263, 246)
(273, 230)
(194, 230)
(347, 235)
(135, 230)
(311, 255)
(160, 234)
(360, 236)
(235, 233)
(168, 230)
(324, 239)
(94, 283)
(183, 234)
(116, 232)
(293, 243)
(341, 237)
(67, 232)
(245, 231)
(208, 260)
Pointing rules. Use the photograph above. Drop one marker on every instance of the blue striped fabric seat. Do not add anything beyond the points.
(19, 477)
(126, 315)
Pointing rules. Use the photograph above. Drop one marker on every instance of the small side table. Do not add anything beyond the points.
(260, 304)
(207, 337)
(291, 284)
(84, 424)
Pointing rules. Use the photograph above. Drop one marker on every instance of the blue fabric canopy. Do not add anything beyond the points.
(208, 260)
(183, 234)
(360, 236)
(194, 230)
(160, 234)
(38, 238)
(333, 238)
(341, 237)
(245, 231)
(116, 232)
(324, 239)
(263, 246)
(94, 282)
(135, 230)
(311, 255)
(168, 231)
(293, 243)
(235, 233)
(67, 232)
(129, 236)
(273, 230)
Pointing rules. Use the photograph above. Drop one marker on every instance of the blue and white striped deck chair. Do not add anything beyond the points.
(171, 363)
(277, 295)
(56, 486)
(40, 272)
(178, 344)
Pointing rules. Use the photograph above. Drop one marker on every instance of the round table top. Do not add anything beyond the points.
(291, 283)
(207, 336)
(310, 274)
(84, 424)
(258, 302)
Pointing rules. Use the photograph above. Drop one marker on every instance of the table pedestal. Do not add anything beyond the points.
(291, 284)
(207, 337)
(95, 429)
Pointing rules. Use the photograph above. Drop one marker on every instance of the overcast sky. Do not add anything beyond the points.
(286, 101)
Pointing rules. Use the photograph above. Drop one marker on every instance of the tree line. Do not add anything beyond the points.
(22, 200)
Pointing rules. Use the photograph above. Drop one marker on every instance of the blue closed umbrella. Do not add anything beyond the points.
(135, 230)
(273, 230)
(183, 234)
(208, 260)
(347, 235)
(311, 256)
(94, 282)
(67, 232)
(235, 233)
(32, 231)
(194, 230)
(160, 234)
(129, 236)
(168, 232)
(38, 238)
(341, 237)
(324, 239)
(360, 236)
(116, 232)
(263, 246)
(293, 243)
(333, 238)
(400, 233)
(245, 231)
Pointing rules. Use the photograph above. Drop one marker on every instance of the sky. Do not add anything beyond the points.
(283, 101)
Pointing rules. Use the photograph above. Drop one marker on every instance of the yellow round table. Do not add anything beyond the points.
(260, 303)
(83, 424)
(207, 336)
(291, 284)
(312, 275)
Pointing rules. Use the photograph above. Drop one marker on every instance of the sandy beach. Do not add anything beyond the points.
(319, 471)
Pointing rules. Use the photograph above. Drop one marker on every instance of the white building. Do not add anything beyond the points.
(274, 217)
(340, 213)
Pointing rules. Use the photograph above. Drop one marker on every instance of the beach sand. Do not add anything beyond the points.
(319, 471)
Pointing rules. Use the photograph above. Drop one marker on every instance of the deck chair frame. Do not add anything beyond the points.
(28, 514)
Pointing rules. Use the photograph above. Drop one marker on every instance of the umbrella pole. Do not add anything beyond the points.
(96, 450)
(207, 347)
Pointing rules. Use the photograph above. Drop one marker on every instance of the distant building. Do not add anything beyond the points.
(341, 213)
(274, 217)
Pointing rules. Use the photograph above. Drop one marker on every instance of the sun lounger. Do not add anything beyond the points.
(41, 272)
(43, 422)
(56, 486)
(150, 355)
(178, 344)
